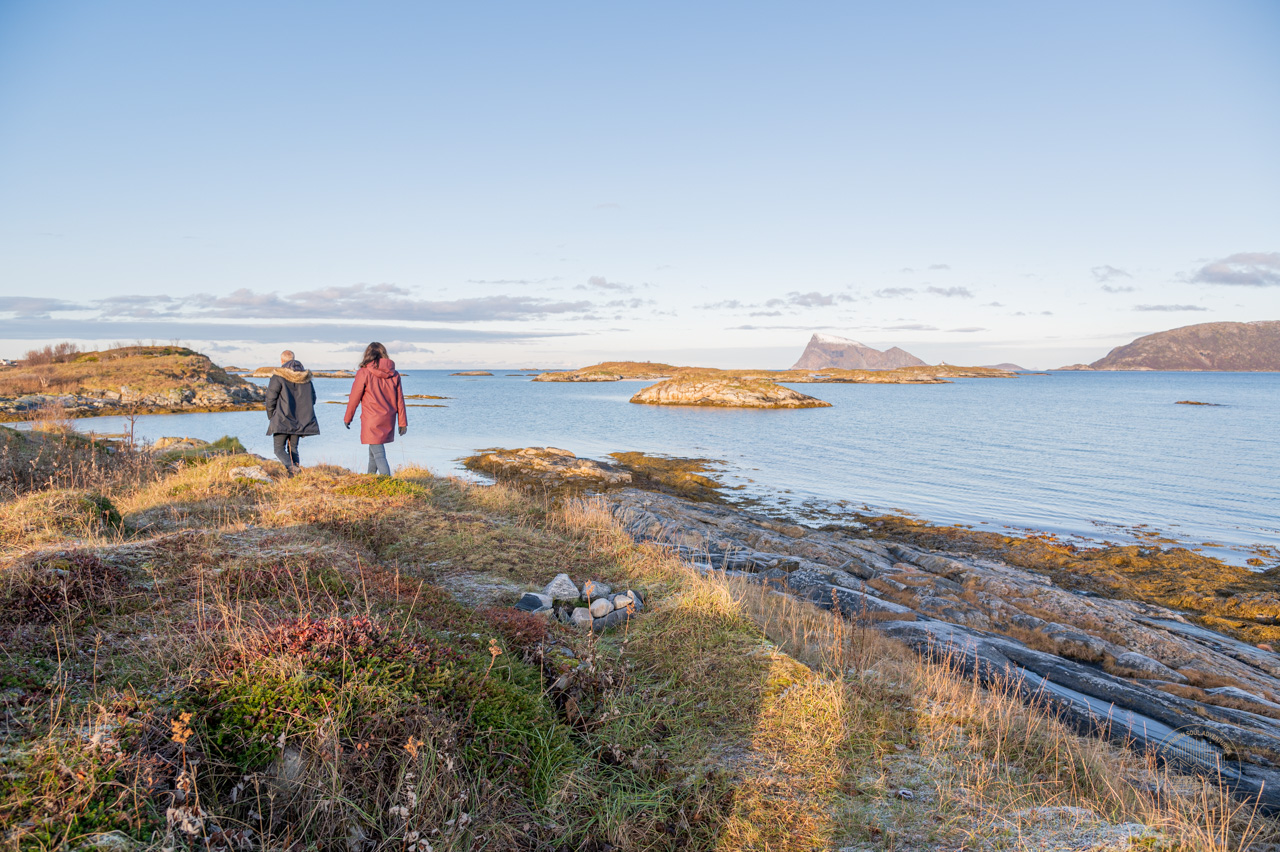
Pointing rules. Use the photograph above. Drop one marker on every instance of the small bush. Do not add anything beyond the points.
(68, 587)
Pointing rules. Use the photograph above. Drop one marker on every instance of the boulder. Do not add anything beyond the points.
(600, 607)
(581, 617)
(254, 472)
(613, 619)
(595, 589)
(534, 602)
(562, 589)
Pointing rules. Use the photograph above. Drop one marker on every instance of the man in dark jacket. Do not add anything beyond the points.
(291, 409)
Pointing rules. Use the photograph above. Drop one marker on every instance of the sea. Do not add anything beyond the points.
(1098, 457)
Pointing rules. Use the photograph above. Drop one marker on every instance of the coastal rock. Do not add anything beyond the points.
(1099, 662)
(562, 589)
(1131, 664)
(472, 373)
(727, 392)
(549, 465)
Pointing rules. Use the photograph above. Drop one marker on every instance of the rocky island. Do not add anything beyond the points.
(755, 388)
(725, 391)
(127, 380)
(612, 371)
(268, 372)
(826, 351)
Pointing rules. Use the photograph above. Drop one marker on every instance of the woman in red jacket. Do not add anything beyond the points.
(378, 394)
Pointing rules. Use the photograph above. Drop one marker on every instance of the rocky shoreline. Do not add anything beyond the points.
(214, 398)
(1143, 675)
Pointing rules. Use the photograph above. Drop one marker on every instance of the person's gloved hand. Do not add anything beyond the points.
(347, 423)
(403, 429)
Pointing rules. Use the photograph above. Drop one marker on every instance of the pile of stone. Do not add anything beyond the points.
(593, 606)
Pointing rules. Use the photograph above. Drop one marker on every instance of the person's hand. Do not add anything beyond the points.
(347, 423)
(403, 429)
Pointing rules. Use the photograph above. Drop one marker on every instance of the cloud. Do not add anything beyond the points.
(608, 205)
(273, 333)
(394, 348)
(906, 270)
(1117, 288)
(893, 292)
(911, 326)
(35, 306)
(599, 282)
(778, 327)
(506, 281)
(815, 299)
(726, 305)
(940, 266)
(1034, 314)
(357, 302)
(993, 305)
(967, 329)
(1106, 272)
(765, 314)
(1246, 269)
(950, 292)
(1169, 308)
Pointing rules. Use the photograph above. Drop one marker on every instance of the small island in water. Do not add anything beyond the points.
(125, 380)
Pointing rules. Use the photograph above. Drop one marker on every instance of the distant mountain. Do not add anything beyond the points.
(1210, 346)
(828, 352)
(1012, 368)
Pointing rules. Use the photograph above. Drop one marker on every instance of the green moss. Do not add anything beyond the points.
(102, 510)
(370, 485)
(227, 445)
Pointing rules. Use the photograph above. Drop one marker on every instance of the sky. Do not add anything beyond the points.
(555, 184)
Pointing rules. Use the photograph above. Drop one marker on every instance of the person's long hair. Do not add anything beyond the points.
(372, 353)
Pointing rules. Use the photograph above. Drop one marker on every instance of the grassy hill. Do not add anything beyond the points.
(139, 378)
(196, 659)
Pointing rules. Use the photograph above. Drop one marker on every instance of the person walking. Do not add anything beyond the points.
(291, 409)
(379, 396)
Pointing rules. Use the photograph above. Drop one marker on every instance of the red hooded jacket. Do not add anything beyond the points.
(377, 389)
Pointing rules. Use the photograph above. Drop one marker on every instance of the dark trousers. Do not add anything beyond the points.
(287, 450)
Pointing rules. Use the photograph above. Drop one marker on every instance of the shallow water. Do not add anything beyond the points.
(1083, 454)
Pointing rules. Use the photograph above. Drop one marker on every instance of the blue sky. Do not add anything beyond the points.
(518, 184)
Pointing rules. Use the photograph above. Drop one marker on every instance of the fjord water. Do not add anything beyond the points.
(1087, 454)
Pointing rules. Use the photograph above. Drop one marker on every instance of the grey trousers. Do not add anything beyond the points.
(378, 459)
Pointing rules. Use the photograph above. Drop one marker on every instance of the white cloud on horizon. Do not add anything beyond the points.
(1244, 269)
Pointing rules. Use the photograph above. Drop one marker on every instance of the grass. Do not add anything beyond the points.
(330, 662)
(143, 369)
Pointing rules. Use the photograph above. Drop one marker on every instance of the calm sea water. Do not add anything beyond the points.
(1085, 454)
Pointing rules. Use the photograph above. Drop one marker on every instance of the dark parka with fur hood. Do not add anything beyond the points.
(291, 401)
